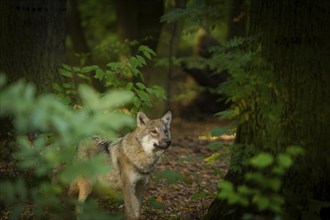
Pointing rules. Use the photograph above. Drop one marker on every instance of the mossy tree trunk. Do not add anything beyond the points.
(295, 40)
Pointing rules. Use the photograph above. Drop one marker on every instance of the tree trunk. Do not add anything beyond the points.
(166, 48)
(32, 43)
(75, 30)
(206, 101)
(139, 20)
(32, 40)
(127, 22)
(295, 40)
(80, 45)
(237, 19)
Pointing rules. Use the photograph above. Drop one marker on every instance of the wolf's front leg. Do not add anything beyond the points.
(138, 195)
(130, 199)
(133, 197)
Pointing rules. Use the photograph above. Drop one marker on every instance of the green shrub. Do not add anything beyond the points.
(47, 133)
(260, 156)
(262, 183)
(116, 75)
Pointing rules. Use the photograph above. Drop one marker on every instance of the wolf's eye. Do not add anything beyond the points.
(154, 132)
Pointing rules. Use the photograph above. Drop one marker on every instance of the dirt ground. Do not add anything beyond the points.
(176, 201)
(189, 144)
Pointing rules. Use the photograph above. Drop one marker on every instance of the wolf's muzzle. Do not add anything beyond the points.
(163, 145)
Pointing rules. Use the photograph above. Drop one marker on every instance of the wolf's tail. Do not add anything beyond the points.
(104, 144)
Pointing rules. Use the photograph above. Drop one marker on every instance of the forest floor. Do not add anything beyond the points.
(189, 198)
(189, 146)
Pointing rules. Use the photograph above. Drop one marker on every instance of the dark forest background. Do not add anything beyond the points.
(68, 67)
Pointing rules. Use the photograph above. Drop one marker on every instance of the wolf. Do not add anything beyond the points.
(132, 159)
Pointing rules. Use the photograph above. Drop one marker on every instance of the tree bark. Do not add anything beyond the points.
(206, 101)
(80, 45)
(32, 40)
(295, 40)
(237, 19)
(75, 30)
(31, 43)
(139, 20)
(166, 48)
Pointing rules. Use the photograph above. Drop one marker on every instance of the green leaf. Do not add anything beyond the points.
(140, 85)
(147, 55)
(21, 189)
(115, 65)
(256, 177)
(141, 59)
(199, 195)
(159, 92)
(226, 185)
(190, 159)
(278, 170)
(90, 211)
(295, 150)
(66, 73)
(170, 176)
(87, 69)
(147, 52)
(57, 87)
(262, 160)
(16, 211)
(229, 114)
(67, 85)
(244, 190)
(227, 192)
(261, 201)
(3, 79)
(88, 168)
(99, 74)
(77, 69)
(275, 184)
(89, 96)
(215, 146)
(134, 62)
(276, 203)
(83, 76)
(137, 102)
(129, 86)
(156, 204)
(284, 160)
(143, 95)
(175, 14)
(221, 131)
(116, 98)
(212, 159)
(67, 67)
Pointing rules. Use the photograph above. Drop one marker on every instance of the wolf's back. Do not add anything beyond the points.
(92, 147)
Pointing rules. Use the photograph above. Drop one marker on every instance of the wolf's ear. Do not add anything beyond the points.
(167, 118)
(141, 119)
